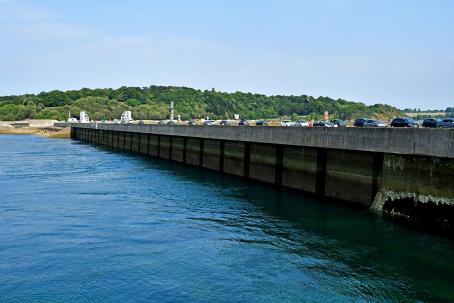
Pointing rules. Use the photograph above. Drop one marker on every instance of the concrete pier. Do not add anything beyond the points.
(395, 171)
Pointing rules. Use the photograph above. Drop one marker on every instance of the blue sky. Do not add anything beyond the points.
(399, 52)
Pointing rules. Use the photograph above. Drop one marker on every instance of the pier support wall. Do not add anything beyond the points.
(403, 185)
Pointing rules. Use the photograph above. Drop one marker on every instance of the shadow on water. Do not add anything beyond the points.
(304, 225)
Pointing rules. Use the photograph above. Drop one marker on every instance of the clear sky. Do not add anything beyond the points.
(399, 52)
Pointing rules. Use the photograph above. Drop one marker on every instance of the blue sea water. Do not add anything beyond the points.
(80, 223)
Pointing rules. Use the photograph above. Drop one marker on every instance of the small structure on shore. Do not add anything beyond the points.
(172, 111)
(126, 117)
(84, 117)
(71, 119)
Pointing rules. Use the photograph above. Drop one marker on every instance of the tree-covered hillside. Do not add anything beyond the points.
(153, 103)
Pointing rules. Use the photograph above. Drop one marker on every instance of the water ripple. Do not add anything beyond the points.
(83, 224)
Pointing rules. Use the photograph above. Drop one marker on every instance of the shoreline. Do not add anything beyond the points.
(49, 132)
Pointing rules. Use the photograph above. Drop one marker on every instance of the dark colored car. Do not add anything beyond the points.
(448, 123)
(244, 123)
(323, 123)
(261, 123)
(339, 122)
(432, 122)
(404, 122)
(359, 122)
(225, 123)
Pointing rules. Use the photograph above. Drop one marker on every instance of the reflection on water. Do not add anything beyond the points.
(83, 224)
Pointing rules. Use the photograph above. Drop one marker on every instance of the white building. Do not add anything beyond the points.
(84, 117)
(126, 117)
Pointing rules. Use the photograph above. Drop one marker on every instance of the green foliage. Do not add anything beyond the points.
(153, 103)
(294, 117)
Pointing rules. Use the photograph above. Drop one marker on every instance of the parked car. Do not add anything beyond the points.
(301, 123)
(375, 123)
(161, 122)
(244, 123)
(432, 122)
(339, 123)
(404, 122)
(225, 123)
(191, 122)
(286, 123)
(324, 123)
(141, 122)
(261, 123)
(170, 122)
(208, 122)
(359, 122)
(448, 123)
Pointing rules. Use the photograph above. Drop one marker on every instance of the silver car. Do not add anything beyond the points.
(447, 123)
(208, 122)
(375, 123)
(286, 123)
(301, 123)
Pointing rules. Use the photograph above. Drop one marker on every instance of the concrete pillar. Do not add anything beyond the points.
(121, 140)
(185, 146)
(127, 141)
(299, 168)
(419, 176)
(93, 136)
(222, 155)
(153, 145)
(193, 151)
(164, 147)
(262, 165)
(320, 173)
(178, 149)
(110, 138)
(114, 141)
(418, 189)
(143, 147)
(349, 176)
(135, 137)
(234, 152)
(101, 138)
(211, 154)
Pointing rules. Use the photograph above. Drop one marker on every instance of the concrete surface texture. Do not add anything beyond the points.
(411, 141)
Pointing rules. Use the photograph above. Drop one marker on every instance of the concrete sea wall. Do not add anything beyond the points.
(405, 173)
(38, 123)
